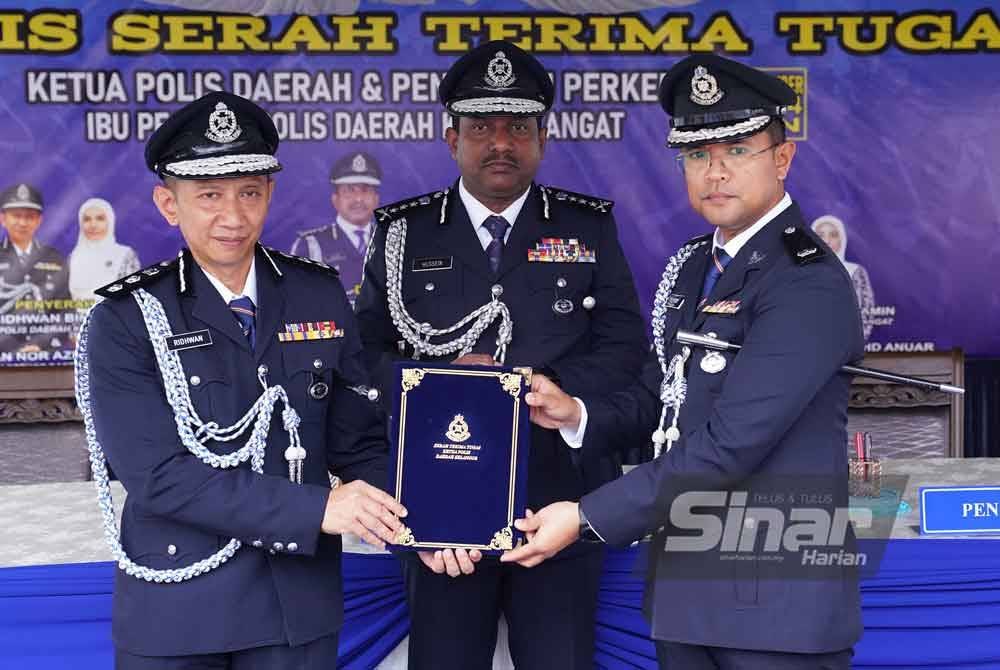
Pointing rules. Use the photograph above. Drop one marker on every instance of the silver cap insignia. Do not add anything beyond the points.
(222, 125)
(704, 88)
(500, 72)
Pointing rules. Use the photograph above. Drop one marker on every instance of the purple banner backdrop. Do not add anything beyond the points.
(897, 124)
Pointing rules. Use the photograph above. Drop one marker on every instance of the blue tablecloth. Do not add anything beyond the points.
(933, 604)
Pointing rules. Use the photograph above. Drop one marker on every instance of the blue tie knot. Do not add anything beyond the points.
(720, 259)
(497, 225)
(246, 314)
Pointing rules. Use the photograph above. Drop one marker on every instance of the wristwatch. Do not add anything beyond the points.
(587, 532)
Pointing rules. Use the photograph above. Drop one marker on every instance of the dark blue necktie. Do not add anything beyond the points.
(245, 312)
(497, 225)
(720, 259)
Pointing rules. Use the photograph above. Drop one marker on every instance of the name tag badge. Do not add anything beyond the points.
(960, 510)
(675, 301)
(432, 263)
(197, 338)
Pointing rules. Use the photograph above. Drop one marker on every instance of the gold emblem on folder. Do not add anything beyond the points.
(458, 429)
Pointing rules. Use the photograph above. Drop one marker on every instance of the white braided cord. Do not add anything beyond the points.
(673, 386)
(419, 335)
(194, 434)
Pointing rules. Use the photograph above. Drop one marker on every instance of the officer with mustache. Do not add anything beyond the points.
(552, 257)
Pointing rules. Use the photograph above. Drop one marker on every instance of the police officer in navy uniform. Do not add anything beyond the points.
(29, 270)
(551, 257)
(343, 244)
(772, 412)
(241, 318)
(23, 259)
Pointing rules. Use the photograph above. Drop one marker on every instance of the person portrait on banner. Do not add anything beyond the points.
(832, 231)
(30, 271)
(98, 258)
(225, 387)
(502, 269)
(771, 415)
(356, 178)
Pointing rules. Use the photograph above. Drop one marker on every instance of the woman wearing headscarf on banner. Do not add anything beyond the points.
(832, 231)
(98, 259)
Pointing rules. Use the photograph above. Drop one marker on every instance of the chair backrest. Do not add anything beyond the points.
(908, 421)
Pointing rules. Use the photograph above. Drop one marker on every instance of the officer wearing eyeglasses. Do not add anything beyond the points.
(772, 412)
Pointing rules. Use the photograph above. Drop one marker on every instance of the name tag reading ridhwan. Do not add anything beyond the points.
(197, 338)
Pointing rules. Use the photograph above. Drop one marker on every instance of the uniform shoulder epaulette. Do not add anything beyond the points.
(800, 246)
(556, 194)
(302, 261)
(140, 279)
(389, 212)
(313, 231)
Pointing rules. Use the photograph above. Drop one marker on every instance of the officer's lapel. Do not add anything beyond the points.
(757, 254)
(209, 308)
(458, 237)
(524, 234)
(689, 283)
(271, 302)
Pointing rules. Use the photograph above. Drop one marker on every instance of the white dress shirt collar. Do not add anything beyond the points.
(352, 230)
(25, 252)
(249, 287)
(478, 212)
(733, 246)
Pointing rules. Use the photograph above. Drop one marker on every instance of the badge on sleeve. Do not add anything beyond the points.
(311, 330)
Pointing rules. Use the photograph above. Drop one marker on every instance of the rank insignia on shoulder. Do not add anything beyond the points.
(722, 307)
(383, 214)
(562, 195)
(311, 330)
(298, 260)
(139, 279)
(801, 247)
(561, 250)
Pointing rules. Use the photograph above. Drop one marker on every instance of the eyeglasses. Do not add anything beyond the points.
(697, 161)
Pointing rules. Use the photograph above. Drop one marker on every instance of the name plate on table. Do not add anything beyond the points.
(460, 439)
(959, 510)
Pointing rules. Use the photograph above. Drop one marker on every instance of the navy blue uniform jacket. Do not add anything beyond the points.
(330, 245)
(593, 350)
(778, 410)
(268, 593)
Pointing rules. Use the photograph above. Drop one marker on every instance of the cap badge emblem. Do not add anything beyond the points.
(222, 126)
(704, 88)
(22, 192)
(499, 72)
(359, 164)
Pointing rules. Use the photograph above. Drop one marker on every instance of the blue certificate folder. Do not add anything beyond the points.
(460, 441)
